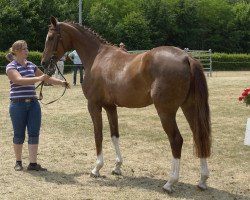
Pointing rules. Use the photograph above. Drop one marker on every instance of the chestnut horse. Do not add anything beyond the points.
(165, 76)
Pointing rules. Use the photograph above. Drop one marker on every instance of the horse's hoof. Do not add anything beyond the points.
(168, 189)
(117, 172)
(202, 186)
(94, 175)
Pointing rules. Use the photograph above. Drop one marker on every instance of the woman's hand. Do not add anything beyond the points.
(66, 84)
(43, 77)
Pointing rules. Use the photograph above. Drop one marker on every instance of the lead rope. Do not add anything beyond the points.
(42, 84)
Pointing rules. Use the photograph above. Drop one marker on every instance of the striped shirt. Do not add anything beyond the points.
(22, 91)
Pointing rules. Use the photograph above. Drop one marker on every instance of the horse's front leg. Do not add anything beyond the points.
(95, 111)
(113, 123)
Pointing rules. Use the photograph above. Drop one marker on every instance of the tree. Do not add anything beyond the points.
(215, 25)
(134, 31)
(104, 15)
(161, 19)
(22, 20)
(241, 23)
(222, 25)
(188, 31)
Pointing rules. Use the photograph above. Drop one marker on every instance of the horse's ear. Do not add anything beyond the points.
(53, 21)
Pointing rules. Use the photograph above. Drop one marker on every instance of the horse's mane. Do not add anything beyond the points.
(89, 31)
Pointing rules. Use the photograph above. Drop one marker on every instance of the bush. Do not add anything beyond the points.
(3, 62)
(35, 57)
(230, 62)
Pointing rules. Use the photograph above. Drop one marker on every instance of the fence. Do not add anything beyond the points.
(204, 56)
(137, 51)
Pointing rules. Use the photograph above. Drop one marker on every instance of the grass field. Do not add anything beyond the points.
(67, 149)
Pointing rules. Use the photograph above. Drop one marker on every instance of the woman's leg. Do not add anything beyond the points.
(18, 115)
(33, 126)
(18, 148)
(33, 149)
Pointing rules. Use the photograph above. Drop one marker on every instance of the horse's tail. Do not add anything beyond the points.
(201, 119)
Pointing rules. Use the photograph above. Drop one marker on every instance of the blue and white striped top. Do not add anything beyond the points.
(22, 91)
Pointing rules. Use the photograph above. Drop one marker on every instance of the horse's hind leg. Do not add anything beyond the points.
(96, 115)
(113, 123)
(168, 121)
(188, 110)
(204, 174)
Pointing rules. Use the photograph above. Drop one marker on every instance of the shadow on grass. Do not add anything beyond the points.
(59, 178)
(181, 190)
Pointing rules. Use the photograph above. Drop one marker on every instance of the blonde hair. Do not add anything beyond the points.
(17, 46)
(9, 57)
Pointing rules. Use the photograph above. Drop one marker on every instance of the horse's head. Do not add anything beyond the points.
(55, 46)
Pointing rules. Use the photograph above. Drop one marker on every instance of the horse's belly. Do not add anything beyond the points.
(133, 100)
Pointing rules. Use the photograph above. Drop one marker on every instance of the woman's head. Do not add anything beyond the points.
(18, 46)
(122, 44)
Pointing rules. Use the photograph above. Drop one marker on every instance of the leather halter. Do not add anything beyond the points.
(58, 39)
(53, 65)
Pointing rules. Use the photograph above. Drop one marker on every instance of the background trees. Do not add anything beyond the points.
(221, 25)
(24, 19)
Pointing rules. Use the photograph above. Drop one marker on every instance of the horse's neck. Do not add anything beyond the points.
(86, 46)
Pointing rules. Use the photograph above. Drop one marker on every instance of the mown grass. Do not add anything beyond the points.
(67, 149)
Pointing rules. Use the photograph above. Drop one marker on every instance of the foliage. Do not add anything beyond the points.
(220, 25)
(220, 61)
(35, 57)
(134, 31)
(22, 20)
(230, 62)
(187, 33)
(161, 19)
(241, 23)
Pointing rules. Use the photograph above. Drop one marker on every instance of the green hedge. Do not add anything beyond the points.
(221, 61)
(230, 62)
(35, 57)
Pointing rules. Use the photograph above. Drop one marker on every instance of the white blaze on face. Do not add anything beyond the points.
(47, 37)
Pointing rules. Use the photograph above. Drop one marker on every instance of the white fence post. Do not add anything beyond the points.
(247, 134)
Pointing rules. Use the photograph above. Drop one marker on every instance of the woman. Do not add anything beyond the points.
(122, 46)
(24, 107)
(9, 57)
